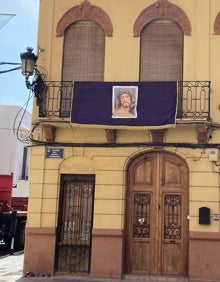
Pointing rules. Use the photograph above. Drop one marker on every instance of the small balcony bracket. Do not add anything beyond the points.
(158, 136)
(203, 133)
(110, 135)
(49, 132)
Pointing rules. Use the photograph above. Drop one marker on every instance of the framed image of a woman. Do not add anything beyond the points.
(124, 101)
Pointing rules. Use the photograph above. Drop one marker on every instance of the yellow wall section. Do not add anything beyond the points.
(201, 62)
(110, 190)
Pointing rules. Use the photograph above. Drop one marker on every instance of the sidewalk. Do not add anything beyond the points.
(11, 267)
(11, 270)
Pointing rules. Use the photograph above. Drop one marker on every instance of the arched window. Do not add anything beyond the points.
(83, 52)
(161, 52)
(84, 28)
(83, 57)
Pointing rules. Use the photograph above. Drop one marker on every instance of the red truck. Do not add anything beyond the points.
(13, 216)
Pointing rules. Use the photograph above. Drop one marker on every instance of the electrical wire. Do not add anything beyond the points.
(14, 69)
(9, 16)
(16, 130)
(9, 63)
(120, 145)
(9, 70)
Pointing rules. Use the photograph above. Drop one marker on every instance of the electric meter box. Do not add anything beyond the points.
(213, 155)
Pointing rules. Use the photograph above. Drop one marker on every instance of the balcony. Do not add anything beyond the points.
(193, 101)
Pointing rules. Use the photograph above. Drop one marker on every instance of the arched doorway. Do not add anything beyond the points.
(156, 215)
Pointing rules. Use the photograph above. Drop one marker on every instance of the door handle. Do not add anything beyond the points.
(172, 241)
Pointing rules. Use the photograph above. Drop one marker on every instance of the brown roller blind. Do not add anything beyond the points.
(161, 57)
(84, 51)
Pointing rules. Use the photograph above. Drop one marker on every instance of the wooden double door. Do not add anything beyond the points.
(157, 215)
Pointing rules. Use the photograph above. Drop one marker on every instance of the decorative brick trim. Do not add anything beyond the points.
(162, 9)
(217, 24)
(85, 11)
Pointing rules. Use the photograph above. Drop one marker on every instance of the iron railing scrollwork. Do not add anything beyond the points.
(172, 216)
(57, 101)
(141, 222)
(73, 248)
(193, 100)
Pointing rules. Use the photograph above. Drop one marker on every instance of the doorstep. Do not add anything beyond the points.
(156, 278)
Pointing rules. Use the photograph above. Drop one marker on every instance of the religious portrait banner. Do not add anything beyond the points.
(131, 105)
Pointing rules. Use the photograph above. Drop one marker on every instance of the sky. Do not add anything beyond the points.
(16, 35)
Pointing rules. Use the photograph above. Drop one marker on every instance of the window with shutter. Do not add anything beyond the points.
(83, 57)
(161, 57)
(84, 51)
(161, 54)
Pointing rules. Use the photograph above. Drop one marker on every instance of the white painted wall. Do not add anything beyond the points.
(11, 149)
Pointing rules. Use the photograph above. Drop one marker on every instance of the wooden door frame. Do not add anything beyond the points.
(132, 162)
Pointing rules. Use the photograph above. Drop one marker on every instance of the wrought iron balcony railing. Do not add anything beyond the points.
(193, 100)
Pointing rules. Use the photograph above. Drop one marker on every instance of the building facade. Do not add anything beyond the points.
(14, 131)
(116, 192)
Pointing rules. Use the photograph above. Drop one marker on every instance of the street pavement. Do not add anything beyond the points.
(11, 270)
(11, 267)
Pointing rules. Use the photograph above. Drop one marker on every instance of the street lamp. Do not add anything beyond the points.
(28, 68)
(28, 62)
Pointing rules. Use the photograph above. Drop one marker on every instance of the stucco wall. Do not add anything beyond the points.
(201, 53)
(109, 166)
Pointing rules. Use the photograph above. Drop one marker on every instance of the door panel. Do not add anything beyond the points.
(156, 218)
(141, 232)
(172, 243)
(140, 261)
(171, 258)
